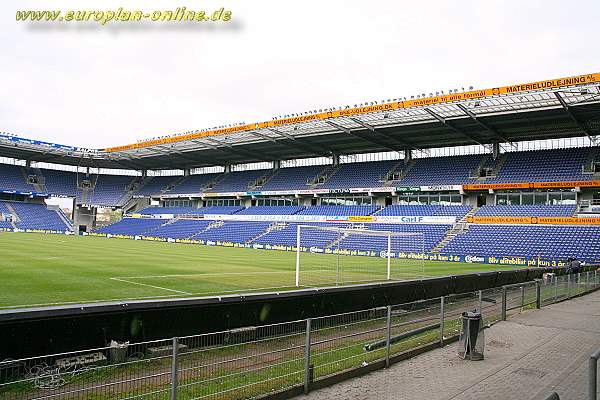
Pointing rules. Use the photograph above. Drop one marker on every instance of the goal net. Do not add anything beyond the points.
(327, 255)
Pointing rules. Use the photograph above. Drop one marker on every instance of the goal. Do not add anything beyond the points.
(328, 255)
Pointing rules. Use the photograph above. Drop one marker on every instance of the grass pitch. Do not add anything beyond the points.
(42, 270)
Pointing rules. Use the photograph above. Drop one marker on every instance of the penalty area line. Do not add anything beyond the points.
(152, 286)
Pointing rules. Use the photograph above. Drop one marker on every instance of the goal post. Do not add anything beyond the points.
(341, 255)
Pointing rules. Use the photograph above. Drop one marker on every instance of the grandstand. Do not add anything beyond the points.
(468, 171)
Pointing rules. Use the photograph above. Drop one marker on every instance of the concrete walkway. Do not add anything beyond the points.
(527, 357)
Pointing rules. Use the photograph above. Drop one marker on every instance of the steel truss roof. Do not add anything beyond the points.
(533, 115)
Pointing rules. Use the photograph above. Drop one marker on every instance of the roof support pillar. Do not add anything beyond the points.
(495, 150)
(186, 172)
(276, 164)
(227, 168)
(408, 156)
(335, 158)
(28, 163)
(144, 173)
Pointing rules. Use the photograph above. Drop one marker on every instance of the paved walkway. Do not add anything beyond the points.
(526, 358)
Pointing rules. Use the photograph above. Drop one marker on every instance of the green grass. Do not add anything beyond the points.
(38, 269)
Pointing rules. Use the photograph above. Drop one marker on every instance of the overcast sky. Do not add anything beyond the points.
(87, 85)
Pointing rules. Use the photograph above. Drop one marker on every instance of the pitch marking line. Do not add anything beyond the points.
(201, 274)
(152, 286)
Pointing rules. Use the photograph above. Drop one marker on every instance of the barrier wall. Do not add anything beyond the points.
(58, 329)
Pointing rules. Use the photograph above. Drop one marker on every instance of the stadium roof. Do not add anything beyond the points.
(559, 108)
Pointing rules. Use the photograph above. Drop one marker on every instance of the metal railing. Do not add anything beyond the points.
(285, 359)
(593, 378)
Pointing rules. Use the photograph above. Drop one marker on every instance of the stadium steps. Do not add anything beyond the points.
(458, 228)
(499, 164)
(475, 173)
(216, 224)
(275, 226)
(130, 190)
(263, 180)
(40, 187)
(211, 184)
(588, 166)
(15, 217)
(62, 216)
(173, 185)
(400, 167)
(323, 176)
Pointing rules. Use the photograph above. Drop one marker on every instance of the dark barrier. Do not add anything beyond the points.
(32, 332)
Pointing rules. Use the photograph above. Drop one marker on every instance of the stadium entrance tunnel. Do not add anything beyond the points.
(31, 332)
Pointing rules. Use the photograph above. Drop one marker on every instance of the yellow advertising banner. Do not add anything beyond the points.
(499, 220)
(533, 185)
(476, 94)
(360, 218)
(542, 185)
(568, 221)
(534, 220)
(486, 186)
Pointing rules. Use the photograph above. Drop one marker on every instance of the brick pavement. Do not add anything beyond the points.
(526, 357)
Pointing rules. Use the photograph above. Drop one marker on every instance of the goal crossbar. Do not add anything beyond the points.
(388, 234)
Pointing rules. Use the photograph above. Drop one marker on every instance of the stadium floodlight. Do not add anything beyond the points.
(328, 255)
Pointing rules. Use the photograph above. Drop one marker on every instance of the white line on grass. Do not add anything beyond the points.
(201, 274)
(152, 286)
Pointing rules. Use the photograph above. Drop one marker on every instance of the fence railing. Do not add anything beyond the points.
(285, 359)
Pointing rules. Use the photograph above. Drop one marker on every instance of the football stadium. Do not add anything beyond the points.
(441, 244)
(405, 191)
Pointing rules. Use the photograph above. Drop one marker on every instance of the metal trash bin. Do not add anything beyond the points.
(471, 342)
(118, 352)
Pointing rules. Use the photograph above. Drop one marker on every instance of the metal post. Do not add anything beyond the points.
(389, 255)
(388, 336)
(593, 376)
(503, 314)
(595, 277)
(307, 357)
(555, 288)
(174, 368)
(522, 298)
(538, 294)
(568, 285)
(298, 256)
(442, 320)
(480, 300)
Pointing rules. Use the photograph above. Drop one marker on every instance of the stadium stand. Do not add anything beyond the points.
(339, 210)
(358, 175)
(180, 228)
(109, 190)
(292, 178)
(528, 210)
(237, 232)
(37, 216)
(424, 210)
(271, 210)
(156, 184)
(238, 181)
(190, 210)
(543, 166)
(60, 183)
(442, 170)
(5, 211)
(549, 242)
(132, 226)
(193, 184)
(13, 177)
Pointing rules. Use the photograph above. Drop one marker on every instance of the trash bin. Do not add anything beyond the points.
(471, 341)
(118, 352)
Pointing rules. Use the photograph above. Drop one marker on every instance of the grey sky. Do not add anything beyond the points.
(95, 86)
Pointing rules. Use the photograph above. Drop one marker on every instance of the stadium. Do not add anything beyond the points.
(326, 200)
(404, 191)
(500, 200)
